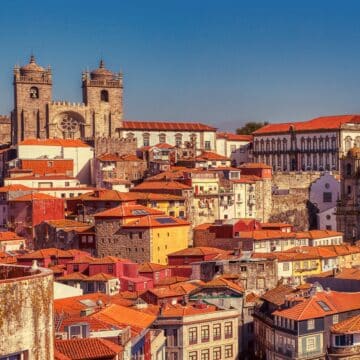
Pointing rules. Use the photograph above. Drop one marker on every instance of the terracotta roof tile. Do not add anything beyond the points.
(35, 196)
(188, 310)
(166, 126)
(234, 137)
(88, 348)
(9, 235)
(54, 142)
(128, 211)
(322, 123)
(198, 251)
(348, 326)
(151, 185)
(14, 187)
(151, 221)
(209, 155)
(149, 267)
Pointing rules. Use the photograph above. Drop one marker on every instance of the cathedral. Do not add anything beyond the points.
(36, 115)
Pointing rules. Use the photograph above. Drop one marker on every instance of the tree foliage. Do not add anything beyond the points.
(250, 127)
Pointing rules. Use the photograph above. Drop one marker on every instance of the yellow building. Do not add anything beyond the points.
(161, 235)
(171, 205)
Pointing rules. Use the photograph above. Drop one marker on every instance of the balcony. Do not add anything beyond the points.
(345, 350)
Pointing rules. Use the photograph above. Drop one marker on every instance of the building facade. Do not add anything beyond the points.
(316, 144)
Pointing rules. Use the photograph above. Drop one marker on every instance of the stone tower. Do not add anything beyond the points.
(32, 95)
(103, 96)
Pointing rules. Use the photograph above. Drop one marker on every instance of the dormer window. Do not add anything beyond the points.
(34, 92)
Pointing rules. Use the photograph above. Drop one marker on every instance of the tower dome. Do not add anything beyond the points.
(101, 73)
(32, 68)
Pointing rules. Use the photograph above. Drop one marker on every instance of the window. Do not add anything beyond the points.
(162, 138)
(193, 355)
(34, 92)
(261, 267)
(192, 336)
(216, 332)
(146, 139)
(228, 351)
(286, 266)
(205, 354)
(243, 268)
(178, 139)
(348, 169)
(205, 337)
(344, 340)
(233, 148)
(327, 197)
(217, 353)
(140, 235)
(260, 283)
(104, 96)
(311, 324)
(310, 344)
(228, 330)
(207, 145)
(18, 356)
(335, 318)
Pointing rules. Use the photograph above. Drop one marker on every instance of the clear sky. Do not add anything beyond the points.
(219, 62)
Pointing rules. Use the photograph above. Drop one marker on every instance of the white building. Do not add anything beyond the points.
(150, 133)
(324, 194)
(233, 146)
(81, 154)
(316, 144)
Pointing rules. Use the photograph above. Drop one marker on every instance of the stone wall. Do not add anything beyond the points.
(294, 208)
(295, 179)
(119, 146)
(26, 313)
(111, 240)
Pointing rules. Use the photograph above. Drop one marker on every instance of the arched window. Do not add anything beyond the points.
(34, 92)
(262, 145)
(327, 143)
(267, 145)
(315, 143)
(357, 141)
(321, 143)
(302, 144)
(162, 138)
(348, 169)
(278, 145)
(104, 95)
(273, 145)
(193, 138)
(130, 135)
(146, 139)
(308, 144)
(256, 145)
(284, 144)
(333, 142)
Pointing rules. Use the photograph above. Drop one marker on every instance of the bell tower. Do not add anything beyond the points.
(32, 95)
(103, 94)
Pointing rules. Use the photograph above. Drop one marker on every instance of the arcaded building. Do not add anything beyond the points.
(37, 115)
(26, 313)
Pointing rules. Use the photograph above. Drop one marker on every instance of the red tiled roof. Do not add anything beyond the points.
(47, 177)
(151, 221)
(88, 348)
(94, 324)
(45, 253)
(120, 315)
(222, 282)
(322, 123)
(149, 267)
(198, 251)
(234, 137)
(348, 326)
(35, 196)
(180, 310)
(66, 223)
(105, 195)
(166, 126)
(130, 210)
(310, 308)
(150, 185)
(155, 196)
(164, 146)
(209, 155)
(9, 235)
(55, 142)
(14, 187)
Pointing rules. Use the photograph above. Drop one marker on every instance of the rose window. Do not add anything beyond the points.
(69, 124)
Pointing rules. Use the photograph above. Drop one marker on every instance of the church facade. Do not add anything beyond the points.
(37, 115)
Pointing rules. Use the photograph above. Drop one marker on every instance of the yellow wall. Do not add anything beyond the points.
(164, 205)
(306, 268)
(165, 240)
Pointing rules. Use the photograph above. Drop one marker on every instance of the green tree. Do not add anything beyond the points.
(250, 127)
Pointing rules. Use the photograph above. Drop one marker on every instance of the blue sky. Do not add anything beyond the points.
(219, 62)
